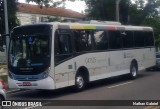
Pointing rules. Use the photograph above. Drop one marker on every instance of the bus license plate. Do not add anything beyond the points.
(26, 84)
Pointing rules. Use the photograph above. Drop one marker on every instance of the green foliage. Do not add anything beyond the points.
(100, 9)
(12, 19)
(47, 3)
(124, 11)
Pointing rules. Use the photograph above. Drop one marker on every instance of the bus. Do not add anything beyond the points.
(56, 55)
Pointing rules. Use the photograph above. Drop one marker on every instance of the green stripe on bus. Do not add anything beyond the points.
(89, 27)
(82, 27)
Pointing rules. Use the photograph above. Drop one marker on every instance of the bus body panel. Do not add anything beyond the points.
(65, 74)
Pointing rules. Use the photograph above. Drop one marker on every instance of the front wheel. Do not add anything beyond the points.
(133, 71)
(80, 82)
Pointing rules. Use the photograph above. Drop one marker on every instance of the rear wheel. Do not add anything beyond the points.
(80, 82)
(133, 71)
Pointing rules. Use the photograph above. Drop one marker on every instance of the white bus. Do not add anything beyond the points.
(56, 55)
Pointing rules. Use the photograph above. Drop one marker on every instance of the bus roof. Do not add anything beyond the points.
(79, 26)
(102, 27)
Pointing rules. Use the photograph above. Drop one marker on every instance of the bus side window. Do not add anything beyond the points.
(100, 40)
(148, 38)
(62, 44)
(139, 39)
(115, 40)
(82, 40)
(127, 37)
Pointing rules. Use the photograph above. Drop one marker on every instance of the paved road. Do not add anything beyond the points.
(145, 87)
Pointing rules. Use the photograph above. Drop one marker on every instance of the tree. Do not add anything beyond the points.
(105, 10)
(100, 9)
(141, 11)
(48, 3)
(124, 11)
(12, 19)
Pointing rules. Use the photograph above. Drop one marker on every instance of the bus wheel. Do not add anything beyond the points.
(133, 71)
(80, 82)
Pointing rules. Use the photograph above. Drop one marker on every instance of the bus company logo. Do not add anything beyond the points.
(21, 103)
(6, 103)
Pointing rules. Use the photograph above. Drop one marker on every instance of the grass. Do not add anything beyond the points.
(4, 78)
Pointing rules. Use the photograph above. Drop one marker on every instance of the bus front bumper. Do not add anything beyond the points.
(47, 83)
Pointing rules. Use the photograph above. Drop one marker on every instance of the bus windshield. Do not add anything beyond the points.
(30, 49)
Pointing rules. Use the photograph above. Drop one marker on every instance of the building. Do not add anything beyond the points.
(28, 14)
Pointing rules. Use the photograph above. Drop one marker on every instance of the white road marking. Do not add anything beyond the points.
(36, 106)
(120, 84)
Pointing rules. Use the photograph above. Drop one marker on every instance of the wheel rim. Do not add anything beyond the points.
(80, 82)
(134, 71)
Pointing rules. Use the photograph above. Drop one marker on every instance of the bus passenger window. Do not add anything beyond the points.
(148, 38)
(139, 39)
(115, 40)
(82, 40)
(62, 44)
(127, 37)
(100, 40)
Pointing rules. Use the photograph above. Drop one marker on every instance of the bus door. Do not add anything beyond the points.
(63, 58)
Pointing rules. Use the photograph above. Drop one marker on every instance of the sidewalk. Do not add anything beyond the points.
(3, 73)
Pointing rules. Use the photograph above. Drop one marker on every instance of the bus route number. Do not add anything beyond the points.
(91, 60)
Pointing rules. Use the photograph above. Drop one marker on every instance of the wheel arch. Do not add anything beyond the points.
(84, 71)
(135, 61)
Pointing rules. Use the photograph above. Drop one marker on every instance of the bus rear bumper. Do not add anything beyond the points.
(47, 83)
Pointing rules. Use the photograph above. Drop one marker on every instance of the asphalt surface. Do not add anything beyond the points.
(145, 87)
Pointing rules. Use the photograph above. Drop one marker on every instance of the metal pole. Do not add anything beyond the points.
(117, 10)
(6, 25)
(6, 17)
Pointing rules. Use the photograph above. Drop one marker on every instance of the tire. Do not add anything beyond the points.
(80, 82)
(133, 71)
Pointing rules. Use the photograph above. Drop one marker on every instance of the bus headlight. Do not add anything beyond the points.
(45, 74)
(10, 75)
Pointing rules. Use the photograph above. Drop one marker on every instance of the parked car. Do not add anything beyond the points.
(157, 60)
(2, 92)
